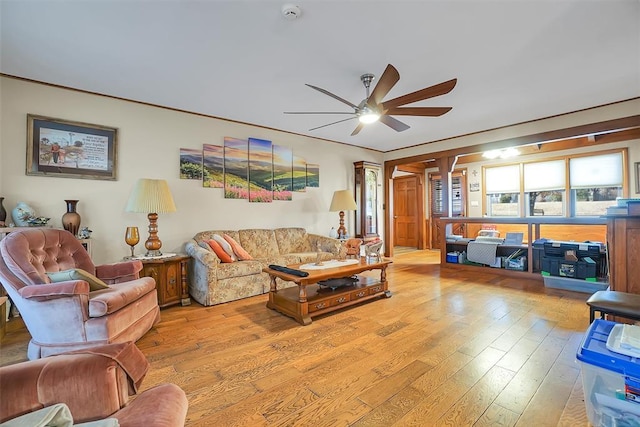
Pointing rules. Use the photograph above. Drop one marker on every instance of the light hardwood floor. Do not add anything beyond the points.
(448, 349)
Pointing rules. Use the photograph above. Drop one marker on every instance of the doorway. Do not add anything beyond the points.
(408, 213)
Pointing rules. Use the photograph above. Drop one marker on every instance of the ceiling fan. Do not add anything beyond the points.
(372, 108)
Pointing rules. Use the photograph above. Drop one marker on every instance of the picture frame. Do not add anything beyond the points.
(637, 168)
(68, 149)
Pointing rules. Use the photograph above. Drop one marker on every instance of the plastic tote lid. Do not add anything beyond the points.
(594, 351)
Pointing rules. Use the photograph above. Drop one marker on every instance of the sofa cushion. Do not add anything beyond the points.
(120, 295)
(292, 240)
(78, 274)
(221, 253)
(259, 243)
(241, 254)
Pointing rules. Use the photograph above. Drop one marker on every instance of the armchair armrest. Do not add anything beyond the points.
(55, 290)
(119, 272)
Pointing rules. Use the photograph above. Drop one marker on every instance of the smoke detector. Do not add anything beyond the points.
(291, 11)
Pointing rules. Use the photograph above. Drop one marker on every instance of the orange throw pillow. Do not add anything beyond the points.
(237, 249)
(222, 254)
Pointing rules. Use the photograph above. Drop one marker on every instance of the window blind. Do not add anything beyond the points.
(596, 171)
(502, 179)
(544, 176)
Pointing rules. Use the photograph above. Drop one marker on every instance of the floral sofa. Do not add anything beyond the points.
(212, 281)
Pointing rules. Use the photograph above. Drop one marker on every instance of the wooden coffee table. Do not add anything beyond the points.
(308, 299)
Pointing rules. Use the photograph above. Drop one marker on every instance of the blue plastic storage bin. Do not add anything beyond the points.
(610, 380)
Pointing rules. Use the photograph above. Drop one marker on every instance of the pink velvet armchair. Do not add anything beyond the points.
(66, 315)
(89, 385)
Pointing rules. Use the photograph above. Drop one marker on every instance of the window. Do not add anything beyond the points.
(544, 188)
(502, 186)
(569, 186)
(595, 183)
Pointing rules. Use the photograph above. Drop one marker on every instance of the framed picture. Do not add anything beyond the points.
(67, 149)
(637, 167)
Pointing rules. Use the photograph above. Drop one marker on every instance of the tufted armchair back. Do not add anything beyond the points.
(31, 255)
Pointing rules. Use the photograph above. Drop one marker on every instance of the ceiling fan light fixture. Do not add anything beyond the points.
(368, 116)
(503, 154)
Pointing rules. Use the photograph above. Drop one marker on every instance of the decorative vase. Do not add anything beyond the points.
(21, 214)
(3, 212)
(71, 219)
(333, 233)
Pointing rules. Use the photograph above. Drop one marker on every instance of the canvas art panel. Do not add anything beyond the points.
(236, 168)
(313, 175)
(299, 174)
(190, 163)
(260, 170)
(282, 173)
(212, 166)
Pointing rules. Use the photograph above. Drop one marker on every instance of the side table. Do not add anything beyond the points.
(170, 274)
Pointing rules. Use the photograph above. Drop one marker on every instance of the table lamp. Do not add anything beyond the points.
(151, 196)
(342, 201)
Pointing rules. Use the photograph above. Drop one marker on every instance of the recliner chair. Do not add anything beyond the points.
(66, 316)
(89, 385)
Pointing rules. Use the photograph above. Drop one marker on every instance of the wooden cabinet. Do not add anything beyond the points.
(623, 239)
(170, 275)
(367, 196)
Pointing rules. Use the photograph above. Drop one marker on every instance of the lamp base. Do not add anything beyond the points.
(342, 230)
(151, 254)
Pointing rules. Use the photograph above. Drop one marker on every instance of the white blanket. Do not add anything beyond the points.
(329, 264)
(482, 252)
(56, 415)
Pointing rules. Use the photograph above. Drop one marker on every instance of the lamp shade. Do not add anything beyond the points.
(343, 201)
(151, 196)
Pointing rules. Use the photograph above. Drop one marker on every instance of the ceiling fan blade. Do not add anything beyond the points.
(326, 92)
(357, 129)
(317, 112)
(389, 78)
(394, 124)
(418, 111)
(329, 124)
(422, 94)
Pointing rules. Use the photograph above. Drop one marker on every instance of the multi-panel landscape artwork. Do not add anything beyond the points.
(253, 169)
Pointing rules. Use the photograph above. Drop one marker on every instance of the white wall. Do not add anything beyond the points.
(149, 139)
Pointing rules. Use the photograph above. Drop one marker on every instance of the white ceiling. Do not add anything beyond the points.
(515, 61)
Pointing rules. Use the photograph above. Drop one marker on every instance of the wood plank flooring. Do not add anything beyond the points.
(448, 349)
